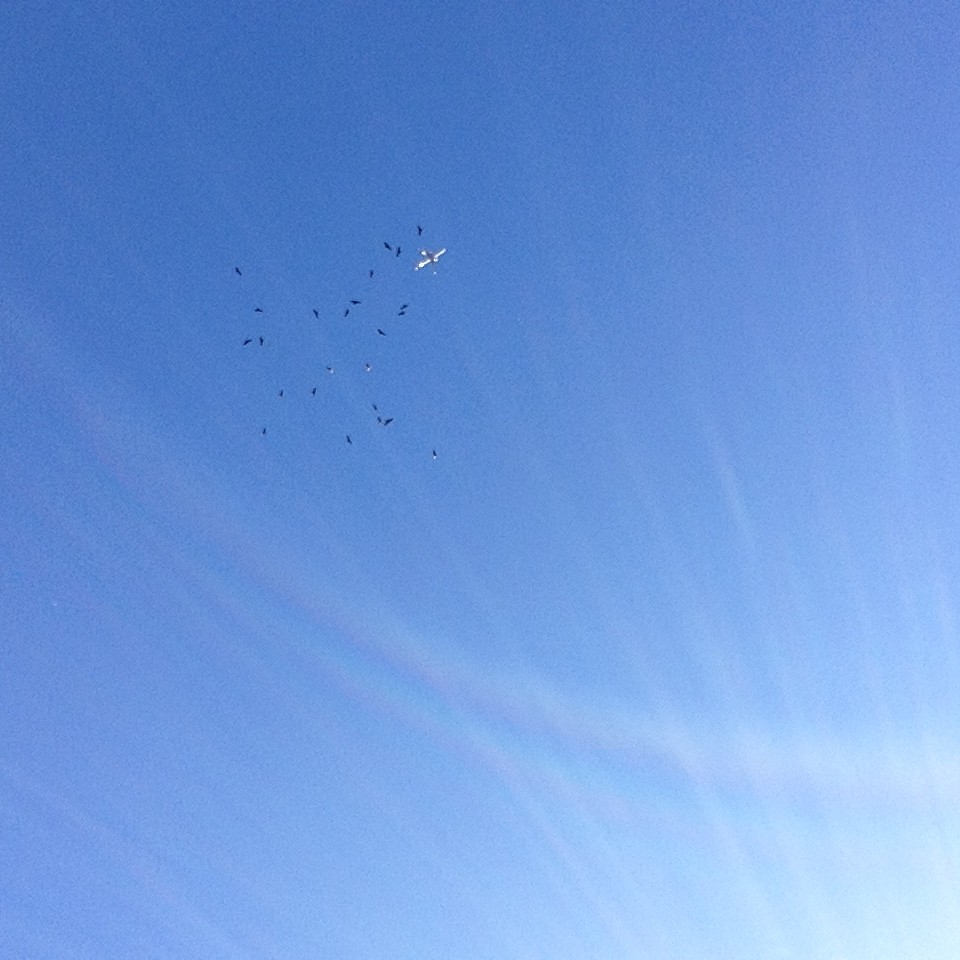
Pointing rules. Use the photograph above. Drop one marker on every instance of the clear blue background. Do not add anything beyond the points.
(658, 658)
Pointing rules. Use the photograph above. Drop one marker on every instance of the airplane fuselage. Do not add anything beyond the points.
(428, 257)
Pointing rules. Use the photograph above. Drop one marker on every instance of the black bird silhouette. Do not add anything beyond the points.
(371, 274)
(261, 340)
(402, 313)
(387, 245)
(316, 313)
(379, 419)
(280, 394)
(346, 312)
(263, 432)
(382, 334)
(348, 439)
(329, 369)
(313, 392)
(248, 340)
(258, 309)
(388, 421)
(375, 407)
(356, 303)
(367, 367)
(239, 274)
(434, 454)
(419, 230)
(404, 306)
(398, 250)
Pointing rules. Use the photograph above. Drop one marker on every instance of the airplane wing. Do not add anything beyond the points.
(428, 257)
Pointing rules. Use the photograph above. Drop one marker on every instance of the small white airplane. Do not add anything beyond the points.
(428, 257)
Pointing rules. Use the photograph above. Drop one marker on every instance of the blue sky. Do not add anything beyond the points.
(659, 656)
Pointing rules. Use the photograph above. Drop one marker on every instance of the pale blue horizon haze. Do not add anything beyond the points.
(656, 657)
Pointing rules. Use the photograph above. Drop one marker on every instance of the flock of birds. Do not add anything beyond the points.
(426, 258)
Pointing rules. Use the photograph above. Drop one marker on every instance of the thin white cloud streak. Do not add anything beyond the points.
(168, 903)
(528, 717)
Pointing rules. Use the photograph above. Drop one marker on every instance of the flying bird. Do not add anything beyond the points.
(316, 313)
(371, 274)
(382, 334)
(263, 432)
(329, 369)
(419, 230)
(375, 407)
(346, 312)
(356, 303)
(248, 340)
(398, 250)
(388, 421)
(280, 394)
(387, 245)
(313, 392)
(237, 269)
(367, 367)
(258, 309)
(348, 439)
(434, 454)
(261, 340)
